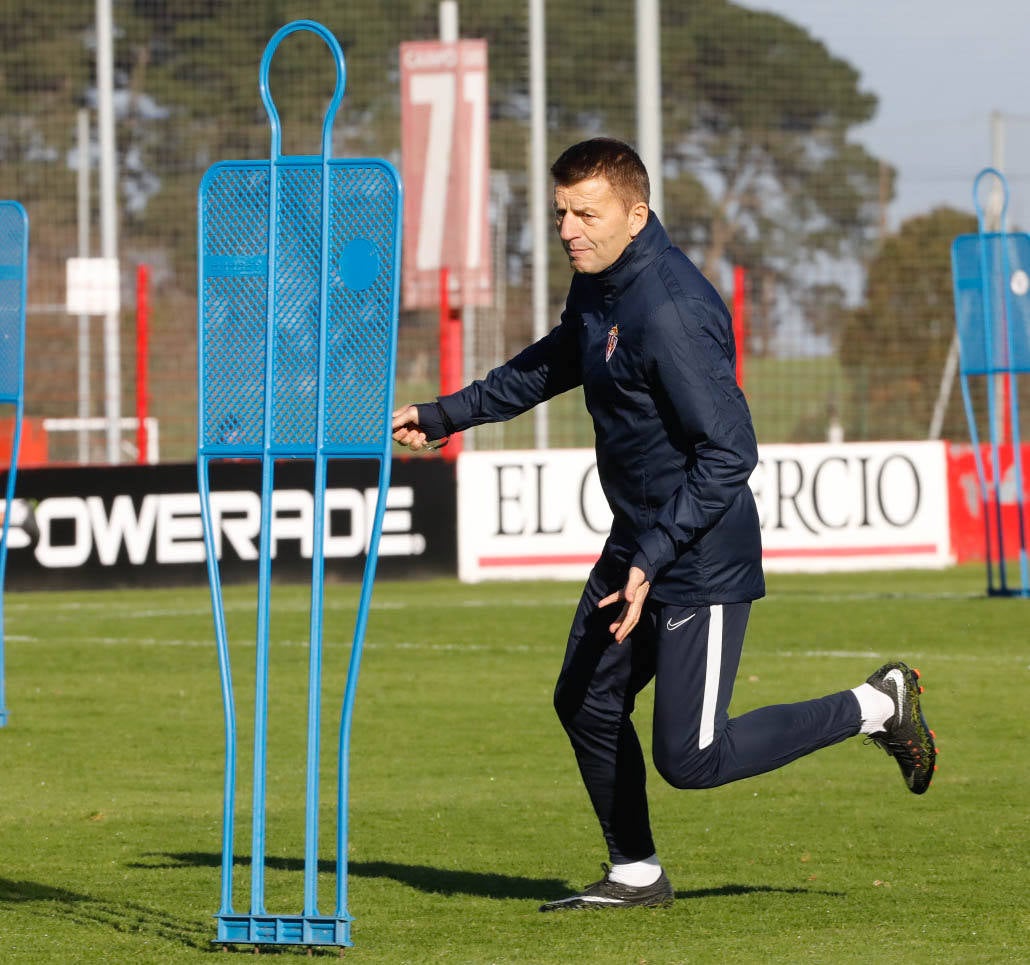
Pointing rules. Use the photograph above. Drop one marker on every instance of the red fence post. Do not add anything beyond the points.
(739, 309)
(142, 369)
(450, 354)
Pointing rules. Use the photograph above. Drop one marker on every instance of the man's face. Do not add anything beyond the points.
(593, 223)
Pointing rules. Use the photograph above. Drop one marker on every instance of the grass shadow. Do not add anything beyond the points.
(446, 881)
(727, 891)
(25, 891)
(443, 881)
(128, 917)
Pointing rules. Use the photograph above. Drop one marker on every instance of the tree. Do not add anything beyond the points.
(762, 120)
(757, 112)
(759, 169)
(894, 345)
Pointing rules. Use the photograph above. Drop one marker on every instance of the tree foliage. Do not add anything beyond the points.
(895, 344)
(764, 126)
(760, 166)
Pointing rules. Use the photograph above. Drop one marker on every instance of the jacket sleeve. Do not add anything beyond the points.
(691, 359)
(544, 369)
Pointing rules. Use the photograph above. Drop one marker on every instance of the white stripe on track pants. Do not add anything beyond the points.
(692, 653)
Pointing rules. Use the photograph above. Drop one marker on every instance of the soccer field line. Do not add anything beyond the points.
(249, 643)
(864, 597)
(290, 606)
(16, 607)
(549, 646)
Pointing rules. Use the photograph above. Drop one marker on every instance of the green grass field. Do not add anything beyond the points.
(466, 807)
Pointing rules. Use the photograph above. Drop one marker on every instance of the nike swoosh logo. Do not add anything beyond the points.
(897, 678)
(673, 626)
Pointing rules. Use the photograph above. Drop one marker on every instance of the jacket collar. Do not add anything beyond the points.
(639, 253)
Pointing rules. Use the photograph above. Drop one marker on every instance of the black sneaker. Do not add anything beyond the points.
(905, 737)
(610, 894)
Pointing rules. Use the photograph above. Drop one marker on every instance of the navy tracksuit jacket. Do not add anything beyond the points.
(651, 342)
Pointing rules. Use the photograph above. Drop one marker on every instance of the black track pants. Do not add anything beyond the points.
(692, 653)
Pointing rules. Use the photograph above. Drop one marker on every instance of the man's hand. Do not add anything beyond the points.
(405, 429)
(633, 595)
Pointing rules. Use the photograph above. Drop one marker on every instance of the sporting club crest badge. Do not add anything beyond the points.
(613, 340)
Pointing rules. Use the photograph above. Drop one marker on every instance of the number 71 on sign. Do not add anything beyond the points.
(445, 164)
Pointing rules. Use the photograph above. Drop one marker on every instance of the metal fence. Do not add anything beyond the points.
(848, 324)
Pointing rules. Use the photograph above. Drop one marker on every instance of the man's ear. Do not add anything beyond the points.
(638, 218)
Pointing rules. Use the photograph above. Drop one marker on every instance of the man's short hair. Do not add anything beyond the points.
(605, 157)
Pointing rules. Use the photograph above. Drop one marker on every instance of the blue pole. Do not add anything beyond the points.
(225, 676)
(347, 712)
(15, 267)
(1013, 391)
(257, 856)
(317, 561)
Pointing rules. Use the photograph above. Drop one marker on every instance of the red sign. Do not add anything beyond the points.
(1002, 503)
(445, 164)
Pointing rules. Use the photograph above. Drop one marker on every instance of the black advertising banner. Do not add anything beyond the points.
(104, 526)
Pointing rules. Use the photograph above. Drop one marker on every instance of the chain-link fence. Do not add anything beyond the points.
(849, 325)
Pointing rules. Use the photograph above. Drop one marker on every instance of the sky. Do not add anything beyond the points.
(939, 69)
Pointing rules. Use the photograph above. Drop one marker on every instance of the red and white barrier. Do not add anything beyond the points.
(541, 514)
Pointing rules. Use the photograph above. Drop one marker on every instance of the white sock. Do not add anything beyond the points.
(875, 706)
(637, 874)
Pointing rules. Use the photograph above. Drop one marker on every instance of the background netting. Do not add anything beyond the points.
(849, 319)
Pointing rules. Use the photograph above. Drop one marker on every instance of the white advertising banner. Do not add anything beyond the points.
(541, 514)
(853, 506)
(529, 514)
